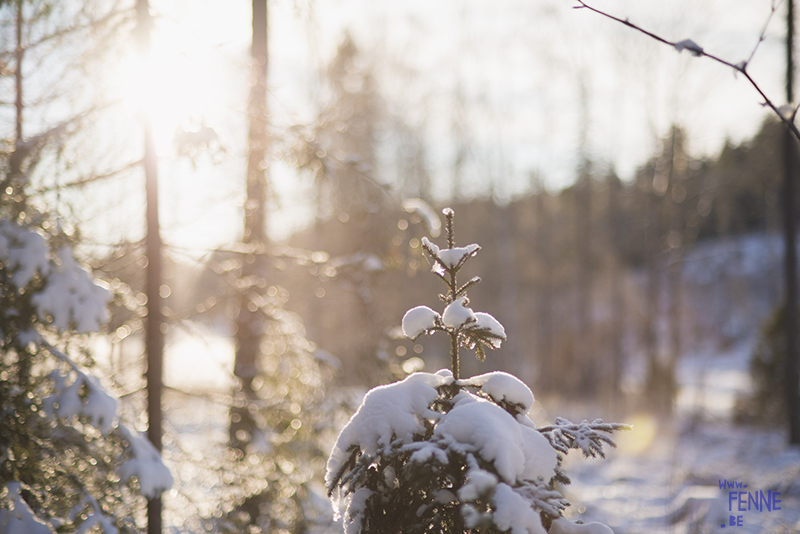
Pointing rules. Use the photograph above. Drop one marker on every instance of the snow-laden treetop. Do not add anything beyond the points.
(486, 422)
(399, 411)
(435, 453)
(465, 327)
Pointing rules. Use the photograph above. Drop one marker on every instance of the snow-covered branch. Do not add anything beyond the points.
(585, 436)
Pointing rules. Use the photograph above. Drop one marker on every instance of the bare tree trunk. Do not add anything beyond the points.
(19, 53)
(13, 181)
(675, 243)
(249, 321)
(656, 386)
(544, 332)
(584, 336)
(789, 199)
(616, 265)
(154, 337)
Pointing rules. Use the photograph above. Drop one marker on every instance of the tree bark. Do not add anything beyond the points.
(790, 257)
(154, 336)
(250, 320)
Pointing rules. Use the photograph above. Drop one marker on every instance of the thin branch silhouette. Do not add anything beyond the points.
(763, 34)
(696, 50)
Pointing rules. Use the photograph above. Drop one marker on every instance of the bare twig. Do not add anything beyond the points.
(741, 68)
(762, 35)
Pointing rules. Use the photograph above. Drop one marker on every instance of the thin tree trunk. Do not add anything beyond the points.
(617, 295)
(19, 53)
(154, 337)
(250, 320)
(789, 198)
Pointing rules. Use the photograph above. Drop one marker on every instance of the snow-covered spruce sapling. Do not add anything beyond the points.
(66, 459)
(436, 453)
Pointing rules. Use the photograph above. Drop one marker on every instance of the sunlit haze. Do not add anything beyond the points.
(520, 68)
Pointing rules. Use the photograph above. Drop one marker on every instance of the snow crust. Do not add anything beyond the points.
(501, 387)
(393, 410)
(518, 452)
(457, 314)
(417, 320)
(145, 464)
(452, 257)
(487, 323)
(449, 258)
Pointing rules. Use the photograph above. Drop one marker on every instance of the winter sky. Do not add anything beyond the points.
(542, 83)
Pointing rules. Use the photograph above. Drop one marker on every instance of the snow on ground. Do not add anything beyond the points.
(666, 476)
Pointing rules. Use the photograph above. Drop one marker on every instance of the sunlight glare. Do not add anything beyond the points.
(641, 437)
(171, 88)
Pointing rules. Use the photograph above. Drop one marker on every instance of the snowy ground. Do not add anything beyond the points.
(666, 477)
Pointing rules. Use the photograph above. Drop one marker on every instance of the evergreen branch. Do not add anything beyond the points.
(588, 437)
(347, 472)
(449, 214)
(543, 498)
(786, 118)
(472, 282)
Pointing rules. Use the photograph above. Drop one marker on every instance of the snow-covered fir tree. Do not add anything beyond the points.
(438, 453)
(67, 462)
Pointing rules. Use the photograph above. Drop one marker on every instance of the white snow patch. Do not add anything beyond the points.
(518, 452)
(24, 251)
(425, 450)
(452, 257)
(479, 483)
(72, 297)
(514, 514)
(456, 314)
(502, 386)
(484, 320)
(355, 506)
(100, 406)
(146, 465)
(417, 320)
(433, 247)
(393, 411)
(487, 323)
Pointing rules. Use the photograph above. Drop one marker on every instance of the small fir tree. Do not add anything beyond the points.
(437, 453)
(67, 463)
